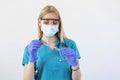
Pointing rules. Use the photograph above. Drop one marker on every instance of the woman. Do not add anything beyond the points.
(52, 56)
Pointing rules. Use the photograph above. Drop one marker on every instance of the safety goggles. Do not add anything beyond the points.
(50, 21)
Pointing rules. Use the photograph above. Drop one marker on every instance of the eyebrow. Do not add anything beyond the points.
(50, 19)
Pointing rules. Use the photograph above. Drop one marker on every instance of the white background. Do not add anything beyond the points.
(93, 24)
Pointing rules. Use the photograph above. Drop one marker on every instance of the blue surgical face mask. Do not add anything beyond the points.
(49, 30)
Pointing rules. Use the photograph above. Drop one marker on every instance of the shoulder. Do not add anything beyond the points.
(69, 42)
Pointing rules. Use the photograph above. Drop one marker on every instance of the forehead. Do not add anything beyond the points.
(51, 15)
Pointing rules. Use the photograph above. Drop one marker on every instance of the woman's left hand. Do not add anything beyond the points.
(70, 55)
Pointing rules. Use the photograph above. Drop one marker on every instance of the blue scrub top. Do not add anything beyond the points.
(48, 64)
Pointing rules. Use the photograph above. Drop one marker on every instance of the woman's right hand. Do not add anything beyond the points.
(32, 48)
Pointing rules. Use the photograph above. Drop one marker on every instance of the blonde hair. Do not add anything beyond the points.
(51, 9)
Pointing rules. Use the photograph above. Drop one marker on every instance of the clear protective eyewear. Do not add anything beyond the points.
(50, 21)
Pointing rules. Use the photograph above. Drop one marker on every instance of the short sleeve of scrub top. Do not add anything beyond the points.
(48, 62)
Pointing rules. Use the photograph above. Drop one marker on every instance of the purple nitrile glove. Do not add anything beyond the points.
(32, 48)
(70, 55)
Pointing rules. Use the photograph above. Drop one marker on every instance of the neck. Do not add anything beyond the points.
(49, 40)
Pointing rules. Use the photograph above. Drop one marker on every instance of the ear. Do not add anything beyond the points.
(39, 22)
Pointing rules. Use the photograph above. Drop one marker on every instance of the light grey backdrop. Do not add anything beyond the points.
(93, 24)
